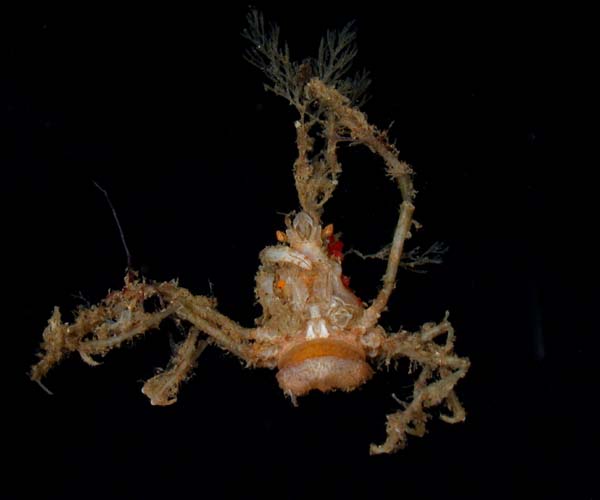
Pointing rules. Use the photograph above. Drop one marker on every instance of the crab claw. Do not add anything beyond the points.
(283, 254)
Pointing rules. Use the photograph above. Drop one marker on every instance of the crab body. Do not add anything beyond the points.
(309, 328)
(314, 330)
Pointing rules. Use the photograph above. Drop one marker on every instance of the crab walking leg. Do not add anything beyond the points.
(163, 387)
(372, 313)
(226, 339)
(412, 419)
(121, 318)
(438, 363)
(200, 311)
(110, 326)
(361, 132)
(124, 333)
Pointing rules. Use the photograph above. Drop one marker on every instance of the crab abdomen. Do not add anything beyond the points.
(322, 364)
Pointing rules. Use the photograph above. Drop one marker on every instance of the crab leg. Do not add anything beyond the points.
(442, 369)
(284, 255)
(122, 317)
(354, 122)
(200, 311)
(372, 313)
(163, 387)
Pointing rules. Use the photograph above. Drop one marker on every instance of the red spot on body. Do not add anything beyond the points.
(335, 248)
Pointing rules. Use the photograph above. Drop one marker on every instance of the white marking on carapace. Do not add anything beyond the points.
(323, 332)
(310, 332)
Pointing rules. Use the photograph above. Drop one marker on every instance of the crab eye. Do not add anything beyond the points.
(303, 224)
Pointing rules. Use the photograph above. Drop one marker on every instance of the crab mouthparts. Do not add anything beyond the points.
(322, 364)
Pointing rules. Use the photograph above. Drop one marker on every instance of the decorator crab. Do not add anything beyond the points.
(314, 330)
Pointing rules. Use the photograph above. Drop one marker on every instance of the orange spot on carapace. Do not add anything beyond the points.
(328, 231)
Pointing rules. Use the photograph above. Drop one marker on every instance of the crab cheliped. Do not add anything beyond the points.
(314, 330)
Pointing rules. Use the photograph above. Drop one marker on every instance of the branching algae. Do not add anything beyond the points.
(314, 330)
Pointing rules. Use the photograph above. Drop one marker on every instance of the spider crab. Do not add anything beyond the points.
(314, 330)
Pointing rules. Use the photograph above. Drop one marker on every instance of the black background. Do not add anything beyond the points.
(158, 107)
